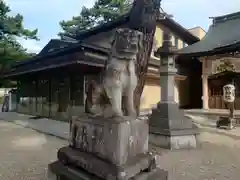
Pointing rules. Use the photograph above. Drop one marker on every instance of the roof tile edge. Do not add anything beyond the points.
(226, 17)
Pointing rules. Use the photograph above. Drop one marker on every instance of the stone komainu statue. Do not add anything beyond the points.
(119, 77)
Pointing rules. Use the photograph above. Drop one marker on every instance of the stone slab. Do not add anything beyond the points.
(59, 171)
(103, 168)
(117, 140)
(174, 142)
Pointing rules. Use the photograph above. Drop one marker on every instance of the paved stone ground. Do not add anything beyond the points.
(217, 158)
(24, 155)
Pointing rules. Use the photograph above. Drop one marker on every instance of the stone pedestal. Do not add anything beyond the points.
(226, 123)
(113, 149)
(116, 140)
(59, 171)
(169, 128)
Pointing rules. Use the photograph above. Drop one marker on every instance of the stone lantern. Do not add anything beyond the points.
(229, 98)
(169, 127)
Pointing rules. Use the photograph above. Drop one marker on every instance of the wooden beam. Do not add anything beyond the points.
(157, 77)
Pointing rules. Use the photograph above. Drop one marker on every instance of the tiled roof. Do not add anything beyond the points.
(223, 33)
(168, 22)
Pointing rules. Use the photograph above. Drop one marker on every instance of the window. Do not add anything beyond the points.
(176, 42)
(172, 40)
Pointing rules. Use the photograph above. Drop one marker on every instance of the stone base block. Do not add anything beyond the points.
(103, 168)
(114, 139)
(174, 142)
(226, 123)
(168, 118)
(59, 171)
(170, 128)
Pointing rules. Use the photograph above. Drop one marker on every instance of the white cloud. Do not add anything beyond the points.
(32, 46)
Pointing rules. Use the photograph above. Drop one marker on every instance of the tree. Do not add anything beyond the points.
(143, 17)
(103, 11)
(11, 27)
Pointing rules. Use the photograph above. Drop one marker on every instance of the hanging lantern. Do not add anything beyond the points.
(229, 93)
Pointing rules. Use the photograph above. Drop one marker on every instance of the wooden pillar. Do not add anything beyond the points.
(50, 96)
(205, 96)
(84, 91)
(70, 98)
(18, 94)
(71, 90)
(36, 95)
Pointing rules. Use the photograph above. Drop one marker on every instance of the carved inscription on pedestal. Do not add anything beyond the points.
(88, 138)
(82, 138)
(116, 142)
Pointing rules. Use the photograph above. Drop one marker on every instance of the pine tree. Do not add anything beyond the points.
(103, 11)
(11, 27)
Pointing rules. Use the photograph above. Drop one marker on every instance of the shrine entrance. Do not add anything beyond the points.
(216, 83)
(190, 90)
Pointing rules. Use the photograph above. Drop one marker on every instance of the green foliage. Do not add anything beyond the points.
(11, 27)
(102, 11)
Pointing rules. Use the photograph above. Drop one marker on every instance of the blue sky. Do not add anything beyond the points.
(46, 14)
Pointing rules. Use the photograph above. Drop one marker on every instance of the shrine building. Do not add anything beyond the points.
(219, 54)
(52, 84)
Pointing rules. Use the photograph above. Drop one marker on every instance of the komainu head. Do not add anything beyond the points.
(127, 41)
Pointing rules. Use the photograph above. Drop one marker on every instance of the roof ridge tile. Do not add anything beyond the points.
(226, 17)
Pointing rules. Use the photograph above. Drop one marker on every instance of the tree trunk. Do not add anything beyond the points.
(143, 17)
(142, 67)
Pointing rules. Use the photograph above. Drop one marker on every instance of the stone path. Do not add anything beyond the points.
(48, 126)
(25, 153)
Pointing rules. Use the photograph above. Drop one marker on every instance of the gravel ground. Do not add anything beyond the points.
(217, 158)
(25, 154)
